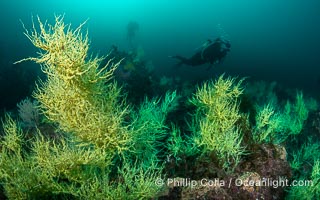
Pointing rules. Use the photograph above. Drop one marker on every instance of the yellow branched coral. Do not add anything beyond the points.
(13, 136)
(214, 123)
(63, 51)
(79, 96)
(76, 95)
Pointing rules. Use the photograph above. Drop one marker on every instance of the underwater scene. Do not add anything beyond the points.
(159, 99)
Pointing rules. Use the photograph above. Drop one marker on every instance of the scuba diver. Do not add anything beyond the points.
(210, 52)
(132, 29)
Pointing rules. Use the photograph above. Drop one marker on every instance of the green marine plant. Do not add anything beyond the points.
(214, 123)
(267, 124)
(148, 128)
(87, 106)
(175, 143)
(306, 155)
(180, 147)
(308, 186)
(294, 115)
(276, 126)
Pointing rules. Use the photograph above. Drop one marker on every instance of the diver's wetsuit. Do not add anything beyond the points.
(212, 53)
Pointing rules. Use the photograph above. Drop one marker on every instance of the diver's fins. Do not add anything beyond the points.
(181, 59)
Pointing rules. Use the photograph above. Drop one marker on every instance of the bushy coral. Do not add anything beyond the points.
(180, 146)
(276, 126)
(19, 175)
(214, 123)
(294, 115)
(66, 170)
(308, 187)
(108, 149)
(307, 155)
(267, 123)
(76, 95)
(80, 98)
(148, 128)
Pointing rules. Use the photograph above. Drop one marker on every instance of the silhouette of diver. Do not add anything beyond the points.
(132, 29)
(211, 52)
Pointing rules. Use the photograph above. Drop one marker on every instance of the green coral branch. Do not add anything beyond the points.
(214, 122)
(276, 126)
(148, 128)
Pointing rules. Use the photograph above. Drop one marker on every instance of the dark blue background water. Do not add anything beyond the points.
(271, 39)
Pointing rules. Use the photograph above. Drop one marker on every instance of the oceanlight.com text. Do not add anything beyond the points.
(216, 182)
